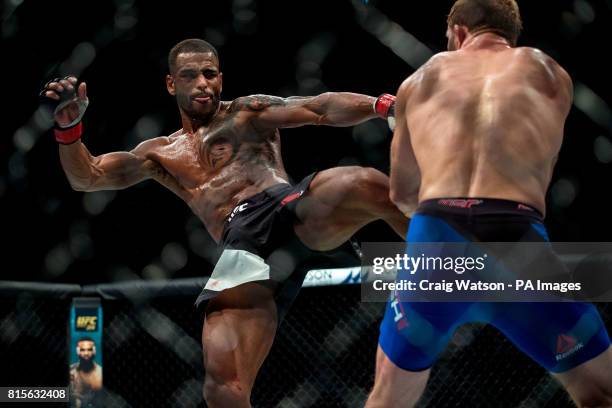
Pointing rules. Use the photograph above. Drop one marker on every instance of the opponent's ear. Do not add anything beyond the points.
(461, 33)
(94, 349)
(170, 85)
(221, 81)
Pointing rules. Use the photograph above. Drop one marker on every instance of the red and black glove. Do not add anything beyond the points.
(68, 103)
(384, 106)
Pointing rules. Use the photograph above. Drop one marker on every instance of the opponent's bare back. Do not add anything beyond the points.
(484, 121)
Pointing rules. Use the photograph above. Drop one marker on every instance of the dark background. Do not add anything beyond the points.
(119, 48)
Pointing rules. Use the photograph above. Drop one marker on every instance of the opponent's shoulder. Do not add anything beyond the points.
(551, 67)
(530, 52)
(427, 72)
(405, 87)
(432, 67)
(441, 57)
(438, 60)
(536, 55)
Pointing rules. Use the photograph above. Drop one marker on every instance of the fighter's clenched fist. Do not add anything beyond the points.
(69, 102)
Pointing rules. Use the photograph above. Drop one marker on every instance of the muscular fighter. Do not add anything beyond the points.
(226, 164)
(478, 131)
(86, 375)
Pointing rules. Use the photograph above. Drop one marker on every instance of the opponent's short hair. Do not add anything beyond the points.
(500, 16)
(189, 45)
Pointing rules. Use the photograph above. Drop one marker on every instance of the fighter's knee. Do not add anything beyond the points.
(222, 393)
(407, 206)
(367, 184)
(367, 177)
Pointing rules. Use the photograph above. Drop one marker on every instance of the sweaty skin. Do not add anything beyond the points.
(225, 153)
(229, 151)
(484, 120)
(467, 117)
(230, 159)
(219, 165)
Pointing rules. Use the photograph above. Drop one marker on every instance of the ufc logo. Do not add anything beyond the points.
(87, 322)
(236, 210)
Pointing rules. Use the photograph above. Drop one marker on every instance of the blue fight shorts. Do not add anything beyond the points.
(558, 336)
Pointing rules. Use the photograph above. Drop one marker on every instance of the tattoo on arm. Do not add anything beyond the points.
(275, 112)
(261, 102)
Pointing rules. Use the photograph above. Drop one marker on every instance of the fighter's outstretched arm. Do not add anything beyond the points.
(330, 108)
(84, 171)
(110, 171)
(405, 177)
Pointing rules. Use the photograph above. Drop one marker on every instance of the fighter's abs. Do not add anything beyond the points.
(221, 165)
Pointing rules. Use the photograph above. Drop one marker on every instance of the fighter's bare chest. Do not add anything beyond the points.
(194, 160)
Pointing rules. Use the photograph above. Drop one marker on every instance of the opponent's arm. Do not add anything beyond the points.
(331, 109)
(84, 171)
(405, 177)
(566, 90)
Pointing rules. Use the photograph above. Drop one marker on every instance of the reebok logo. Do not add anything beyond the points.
(566, 346)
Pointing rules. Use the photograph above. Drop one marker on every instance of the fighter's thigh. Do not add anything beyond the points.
(413, 335)
(239, 329)
(339, 202)
(348, 189)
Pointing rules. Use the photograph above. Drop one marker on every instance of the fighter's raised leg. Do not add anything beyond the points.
(342, 200)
